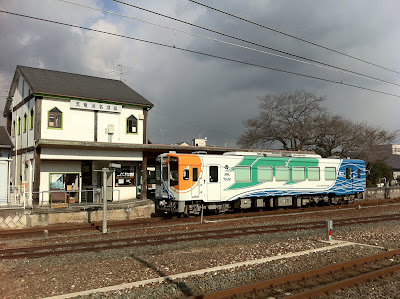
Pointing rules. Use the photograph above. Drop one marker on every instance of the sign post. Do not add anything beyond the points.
(105, 170)
(329, 228)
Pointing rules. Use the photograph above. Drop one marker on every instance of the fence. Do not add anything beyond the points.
(18, 197)
(13, 196)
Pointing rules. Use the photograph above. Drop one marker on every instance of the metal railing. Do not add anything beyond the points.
(64, 198)
(14, 197)
(19, 197)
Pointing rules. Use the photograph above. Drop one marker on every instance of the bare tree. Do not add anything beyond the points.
(298, 121)
(289, 119)
(370, 143)
(336, 136)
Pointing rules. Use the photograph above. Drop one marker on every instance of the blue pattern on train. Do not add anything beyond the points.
(342, 185)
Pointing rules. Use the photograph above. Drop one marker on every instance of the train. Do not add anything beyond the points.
(187, 184)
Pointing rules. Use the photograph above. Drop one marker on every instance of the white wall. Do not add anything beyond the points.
(125, 193)
(94, 155)
(78, 125)
(25, 139)
(119, 123)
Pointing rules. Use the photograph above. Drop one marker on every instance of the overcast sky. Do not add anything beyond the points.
(196, 96)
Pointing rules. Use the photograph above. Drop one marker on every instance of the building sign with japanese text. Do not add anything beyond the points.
(77, 104)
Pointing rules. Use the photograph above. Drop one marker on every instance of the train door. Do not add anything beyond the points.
(214, 183)
(195, 181)
(349, 175)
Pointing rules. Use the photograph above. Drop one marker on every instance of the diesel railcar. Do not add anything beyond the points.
(188, 183)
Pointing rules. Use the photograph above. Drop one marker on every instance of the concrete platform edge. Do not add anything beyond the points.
(29, 218)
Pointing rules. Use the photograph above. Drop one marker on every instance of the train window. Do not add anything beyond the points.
(330, 173)
(213, 174)
(195, 174)
(264, 173)
(298, 174)
(348, 173)
(359, 173)
(186, 174)
(243, 174)
(313, 174)
(282, 173)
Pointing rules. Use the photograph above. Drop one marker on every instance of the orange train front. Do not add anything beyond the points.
(177, 180)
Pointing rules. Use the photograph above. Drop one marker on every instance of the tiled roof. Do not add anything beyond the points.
(58, 83)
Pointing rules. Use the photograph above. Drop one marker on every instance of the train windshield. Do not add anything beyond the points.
(161, 170)
(158, 173)
(173, 171)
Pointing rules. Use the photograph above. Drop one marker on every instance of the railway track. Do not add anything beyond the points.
(58, 230)
(317, 282)
(137, 224)
(152, 240)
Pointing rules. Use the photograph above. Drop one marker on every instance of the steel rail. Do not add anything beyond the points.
(85, 226)
(90, 226)
(256, 229)
(34, 232)
(347, 283)
(252, 287)
(65, 248)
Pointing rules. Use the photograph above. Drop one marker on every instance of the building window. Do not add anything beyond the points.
(19, 126)
(243, 174)
(25, 118)
(55, 118)
(31, 120)
(125, 176)
(131, 125)
(13, 129)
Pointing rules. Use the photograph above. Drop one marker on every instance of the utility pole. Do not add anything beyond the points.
(104, 171)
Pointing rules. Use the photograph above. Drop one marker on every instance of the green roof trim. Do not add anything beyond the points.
(88, 100)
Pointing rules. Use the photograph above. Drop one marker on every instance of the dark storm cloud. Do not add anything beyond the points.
(198, 96)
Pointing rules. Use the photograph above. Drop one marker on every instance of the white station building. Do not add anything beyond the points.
(65, 127)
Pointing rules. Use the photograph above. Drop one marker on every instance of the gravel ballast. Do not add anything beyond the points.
(54, 275)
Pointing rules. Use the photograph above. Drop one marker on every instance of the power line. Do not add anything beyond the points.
(195, 125)
(333, 68)
(203, 54)
(295, 37)
(260, 45)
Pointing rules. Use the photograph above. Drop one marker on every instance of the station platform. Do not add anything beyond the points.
(20, 218)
